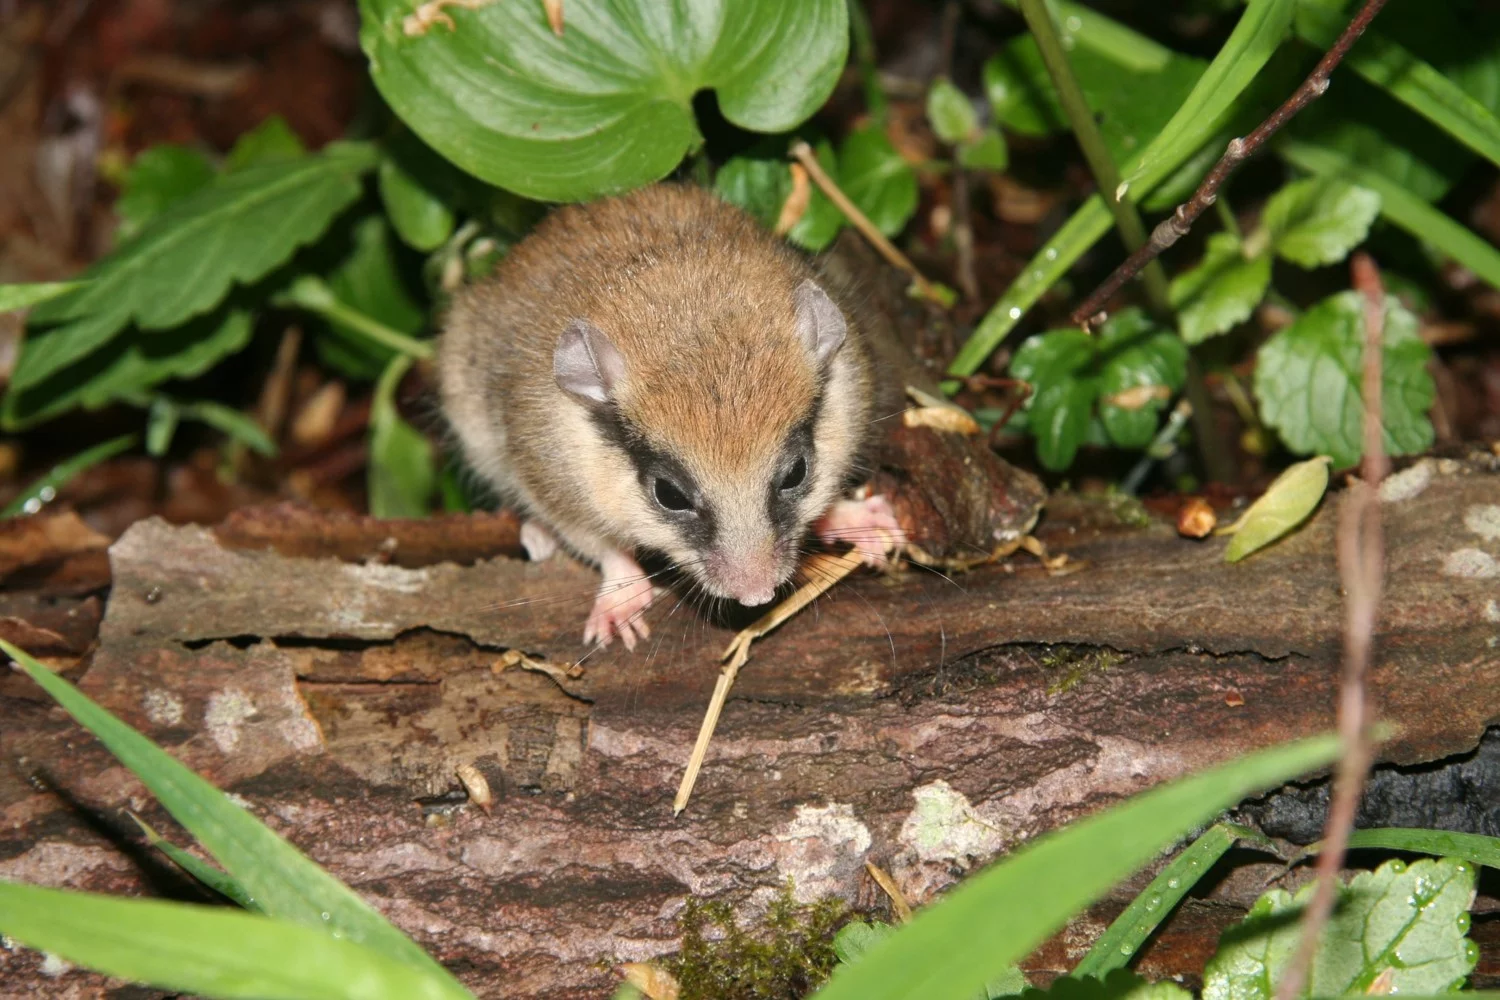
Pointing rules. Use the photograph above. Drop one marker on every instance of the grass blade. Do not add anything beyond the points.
(13, 297)
(1473, 847)
(40, 492)
(208, 950)
(1406, 210)
(1124, 937)
(279, 878)
(215, 878)
(1412, 81)
(951, 949)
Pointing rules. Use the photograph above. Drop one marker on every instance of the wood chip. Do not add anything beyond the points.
(475, 784)
(898, 899)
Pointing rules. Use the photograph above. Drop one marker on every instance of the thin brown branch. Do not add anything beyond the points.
(1176, 225)
(1361, 570)
(804, 155)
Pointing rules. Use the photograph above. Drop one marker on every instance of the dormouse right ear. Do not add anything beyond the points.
(586, 364)
(820, 323)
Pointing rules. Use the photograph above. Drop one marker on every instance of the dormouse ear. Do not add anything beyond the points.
(820, 323)
(586, 364)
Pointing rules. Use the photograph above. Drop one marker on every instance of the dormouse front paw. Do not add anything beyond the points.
(869, 525)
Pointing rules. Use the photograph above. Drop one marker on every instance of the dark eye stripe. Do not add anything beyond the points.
(652, 465)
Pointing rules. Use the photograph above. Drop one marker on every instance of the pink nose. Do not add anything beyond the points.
(755, 598)
(749, 579)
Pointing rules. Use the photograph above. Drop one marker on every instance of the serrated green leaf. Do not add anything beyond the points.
(208, 950)
(1407, 921)
(129, 366)
(1056, 365)
(272, 141)
(239, 426)
(607, 106)
(1120, 984)
(1308, 376)
(186, 259)
(857, 937)
(13, 297)
(758, 185)
(418, 188)
(1222, 291)
(877, 179)
(214, 878)
(950, 113)
(1318, 220)
(278, 877)
(42, 491)
(1136, 354)
(402, 475)
(975, 932)
(987, 152)
(157, 178)
(1286, 503)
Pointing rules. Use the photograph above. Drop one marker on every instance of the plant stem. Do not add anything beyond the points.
(315, 296)
(864, 58)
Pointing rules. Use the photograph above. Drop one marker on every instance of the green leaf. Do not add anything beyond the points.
(1057, 366)
(975, 932)
(1261, 29)
(368, 283)
(278, 877)
(1136, 354)
(1398, 204)
(161, 425)
(209, 950)
(417, 187)
(41, 492)
(1221, 292)
(950, 113)
(1307, 378)
(13, 297)
(820, 224)
(1286, 503)
(239, 426)
(1009, 983)
(857, 937)
(607, 106)
(1441, 843)
(1118, 985)
(1318, 220)
(129, 366)
(186, 259)
(214, 878)
(1408, 921)
(1124, 937)
(877, 179)
(157, 178)
(402, 474)
(987, 152)
(272, 141)
(758, 185)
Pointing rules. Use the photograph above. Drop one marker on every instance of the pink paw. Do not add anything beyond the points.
(620, 607)
(869, 525)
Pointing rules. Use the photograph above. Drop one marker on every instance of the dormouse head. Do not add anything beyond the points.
(739, 415)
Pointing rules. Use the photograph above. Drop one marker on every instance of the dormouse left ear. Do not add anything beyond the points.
(820, 323)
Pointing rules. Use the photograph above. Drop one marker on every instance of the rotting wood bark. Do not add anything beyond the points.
(921, 723)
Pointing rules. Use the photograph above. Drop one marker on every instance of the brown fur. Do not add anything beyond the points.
(699, 300)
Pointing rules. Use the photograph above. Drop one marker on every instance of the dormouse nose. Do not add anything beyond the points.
(747, 576)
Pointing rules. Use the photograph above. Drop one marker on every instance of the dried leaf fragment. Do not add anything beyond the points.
(475, 784)
(554, 15)
(939, 414)
(795, 206)
(1196, 519)
(656, 983)
(421, 20)
(1285, 504)
(1137, 396)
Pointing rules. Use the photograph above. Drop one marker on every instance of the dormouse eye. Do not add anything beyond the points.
(794, 475)
(670, 497)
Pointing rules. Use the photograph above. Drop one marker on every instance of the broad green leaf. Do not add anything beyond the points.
(1117, 985)
(368, 282)
(214, 878)
(1440, 843)
(239, 426)
(975, 932)
(987, 152)
(209, 950)
(1137, 358)
(161, 425)
(758, 185)
(40, 493)
(272, 141)
(13, 297)
(607, 106)
(1058, 366)
(129, 366)
(1124, 937)
(157, 178)
(875, 177)
(1406, 921)
(1261, 29)
(186, 259)
(1399, 205)
(950, 113)
(1308, 376)
(1221, 292)
(1421, 86)
(1318, 220)
(418, 189)
(402, 474)
(283, 882)
(1286, 503)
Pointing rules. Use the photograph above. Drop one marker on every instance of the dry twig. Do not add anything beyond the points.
(1176, 225)
(1361, 570)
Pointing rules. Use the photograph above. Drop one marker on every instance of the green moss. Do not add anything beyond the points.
(786, 956)
(1069, 665)
(1126, 509)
